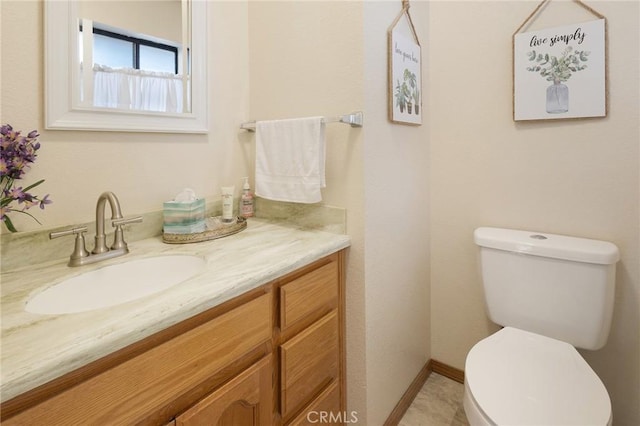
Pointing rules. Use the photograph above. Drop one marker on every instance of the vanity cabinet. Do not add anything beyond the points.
(266, 357)
(311, 342)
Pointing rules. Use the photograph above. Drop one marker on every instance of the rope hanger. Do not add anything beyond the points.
(405, 11)
(539, 7)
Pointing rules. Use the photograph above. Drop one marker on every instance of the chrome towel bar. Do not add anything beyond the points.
(355, 119)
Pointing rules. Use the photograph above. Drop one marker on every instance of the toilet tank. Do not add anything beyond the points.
(558, 286)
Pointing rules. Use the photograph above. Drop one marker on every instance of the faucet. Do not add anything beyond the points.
(80, 255)
(116, 213)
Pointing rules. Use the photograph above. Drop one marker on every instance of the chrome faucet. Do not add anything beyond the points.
(116, 213)
(80, 255)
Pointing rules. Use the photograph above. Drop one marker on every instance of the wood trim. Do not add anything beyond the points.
(342, 315)
(447, 371)
(410, 394)
(412, 391)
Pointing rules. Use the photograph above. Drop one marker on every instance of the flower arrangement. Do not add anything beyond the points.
(558, 69)
(17, 152)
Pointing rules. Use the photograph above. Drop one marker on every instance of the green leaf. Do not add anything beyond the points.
(9, 224)
(33, 185)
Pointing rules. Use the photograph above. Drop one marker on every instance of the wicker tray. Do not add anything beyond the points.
(215, 229)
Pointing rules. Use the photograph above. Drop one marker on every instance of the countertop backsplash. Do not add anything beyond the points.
(24, 249)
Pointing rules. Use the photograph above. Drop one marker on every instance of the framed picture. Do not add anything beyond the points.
(404, 73)
(560, 72)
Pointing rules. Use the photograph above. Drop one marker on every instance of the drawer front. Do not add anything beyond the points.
(309, 361)
(309, 296)
(325, 409)
(133, 390)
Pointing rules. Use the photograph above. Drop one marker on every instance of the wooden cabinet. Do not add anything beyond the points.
(244, 401)
(163, 380)
(311, 343)
(266, 357)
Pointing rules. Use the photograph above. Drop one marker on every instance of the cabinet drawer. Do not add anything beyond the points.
(325, 409)
(309, 362)
(243, 401)
(312, 294)
(135, 389)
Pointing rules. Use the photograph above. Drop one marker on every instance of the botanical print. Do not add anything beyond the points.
(560, 72)
(407, 95)
(405, 80)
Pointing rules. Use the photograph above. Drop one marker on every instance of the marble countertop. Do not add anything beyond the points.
(39, 348)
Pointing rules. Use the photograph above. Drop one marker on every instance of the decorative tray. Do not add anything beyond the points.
(215, 229)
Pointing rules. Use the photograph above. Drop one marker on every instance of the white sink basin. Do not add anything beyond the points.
(115, 284)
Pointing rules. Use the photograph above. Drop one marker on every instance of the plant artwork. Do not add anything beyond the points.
(405, 83)
(407, 94)
(560, 72)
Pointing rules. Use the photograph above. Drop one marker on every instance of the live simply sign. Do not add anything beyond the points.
(560, 72)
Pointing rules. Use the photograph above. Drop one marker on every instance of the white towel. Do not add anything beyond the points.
(290, 159)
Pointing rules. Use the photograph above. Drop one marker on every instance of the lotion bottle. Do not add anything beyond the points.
(246, 200)
(227, 204)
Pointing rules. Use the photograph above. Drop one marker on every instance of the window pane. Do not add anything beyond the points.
(154, 59)
(112, 52)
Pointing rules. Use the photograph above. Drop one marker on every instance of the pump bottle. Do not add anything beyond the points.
(246, 200)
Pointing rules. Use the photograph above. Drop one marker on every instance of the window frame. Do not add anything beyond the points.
(137, 42)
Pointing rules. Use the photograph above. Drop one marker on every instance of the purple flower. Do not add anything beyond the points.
(17, 152)
(45, 201)
(16, 194)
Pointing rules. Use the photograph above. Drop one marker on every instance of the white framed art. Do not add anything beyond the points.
(560, 72)
(404, 72)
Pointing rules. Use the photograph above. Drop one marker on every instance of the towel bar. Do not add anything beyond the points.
(355, 119)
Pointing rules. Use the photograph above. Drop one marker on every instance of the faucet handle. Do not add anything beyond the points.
(120, 222)
(118, 238)
(79, 250)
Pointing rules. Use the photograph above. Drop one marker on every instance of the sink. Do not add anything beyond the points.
(115, 284)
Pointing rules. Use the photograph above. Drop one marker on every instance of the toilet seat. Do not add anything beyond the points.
(515, 377)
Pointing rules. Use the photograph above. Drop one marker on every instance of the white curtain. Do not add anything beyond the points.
(131, 89)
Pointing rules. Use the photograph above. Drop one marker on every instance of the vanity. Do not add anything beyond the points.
(257, 338)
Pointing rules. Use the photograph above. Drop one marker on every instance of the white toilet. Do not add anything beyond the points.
(551, 293)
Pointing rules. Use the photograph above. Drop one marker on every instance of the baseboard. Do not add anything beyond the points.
(412, 391)
(410, 394)
(447, 371)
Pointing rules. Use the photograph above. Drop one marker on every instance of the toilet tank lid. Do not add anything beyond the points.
(548, 245)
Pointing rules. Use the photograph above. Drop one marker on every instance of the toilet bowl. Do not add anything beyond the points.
(515, 377)
(552, 294)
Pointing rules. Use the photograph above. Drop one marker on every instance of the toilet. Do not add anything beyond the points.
(551, 294)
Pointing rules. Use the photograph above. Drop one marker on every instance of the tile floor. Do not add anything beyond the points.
(439, 403)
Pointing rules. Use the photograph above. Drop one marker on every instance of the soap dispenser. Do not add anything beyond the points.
(246, 200)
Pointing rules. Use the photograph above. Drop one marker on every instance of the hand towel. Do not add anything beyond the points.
(290, 159)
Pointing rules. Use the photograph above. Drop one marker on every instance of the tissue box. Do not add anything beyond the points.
(184, 217)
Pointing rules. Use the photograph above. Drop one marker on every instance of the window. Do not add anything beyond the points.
(122, 51)
(130, 71)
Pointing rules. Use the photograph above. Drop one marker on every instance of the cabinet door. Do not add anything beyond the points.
(324, 409)
(244, 401)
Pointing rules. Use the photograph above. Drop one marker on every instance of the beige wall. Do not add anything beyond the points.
(143, 169)
(306, 60)
(310, 58)
(570, 177)
(396, 192)
(131, 15)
